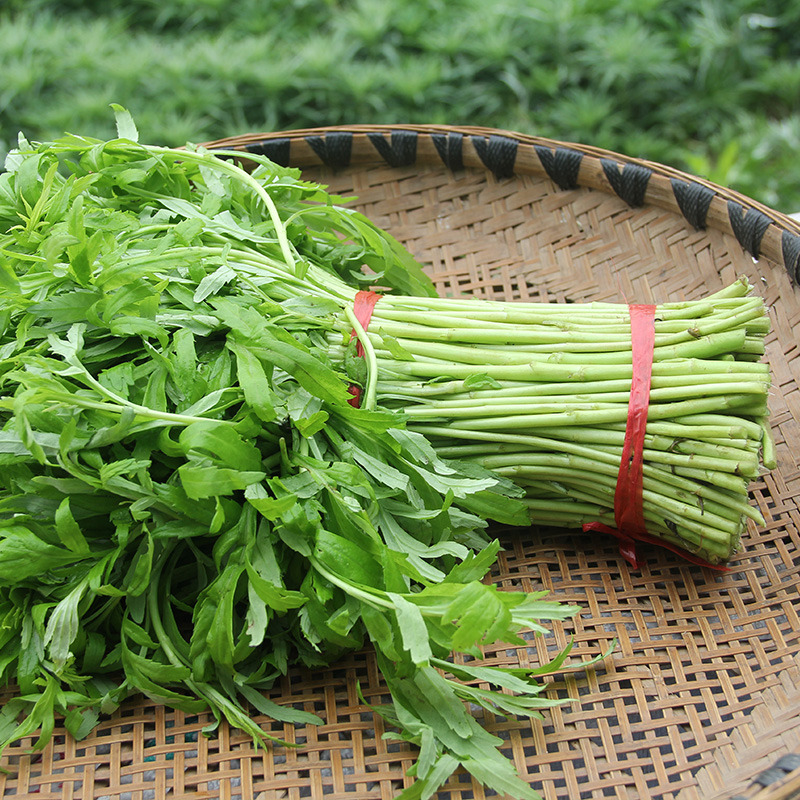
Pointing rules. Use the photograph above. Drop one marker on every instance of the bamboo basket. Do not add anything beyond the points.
(700, 699)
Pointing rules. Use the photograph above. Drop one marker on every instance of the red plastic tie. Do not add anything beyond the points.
(628, 506)
(363, 306)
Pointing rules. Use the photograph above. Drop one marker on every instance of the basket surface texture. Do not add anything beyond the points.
(700, 698)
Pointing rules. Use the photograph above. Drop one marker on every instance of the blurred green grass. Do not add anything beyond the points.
(710, 86)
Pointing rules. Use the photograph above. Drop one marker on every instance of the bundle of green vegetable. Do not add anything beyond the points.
(189, 503)
(539, 393)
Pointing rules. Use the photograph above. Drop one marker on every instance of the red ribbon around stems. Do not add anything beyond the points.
(628, 506)
(363, 306)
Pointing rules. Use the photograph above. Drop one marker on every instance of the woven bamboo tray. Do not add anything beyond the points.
(701, 697)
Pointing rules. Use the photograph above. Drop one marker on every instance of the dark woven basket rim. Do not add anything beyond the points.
(760, 229)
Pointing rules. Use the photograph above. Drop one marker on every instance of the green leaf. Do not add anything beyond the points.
(311, 306)
(81, 722)
(347, 559)
(475, 565)
(200, 482)
(396, 350)
(27, 183)
(355, 366)
(512, 679)
(114, 469)
(255, 385)
(139, 326)
(305, 411)
(481, 616)
(378, 468)
(430, 697)
(23, 555)
(379, 627)
(414, 632)
(271, 508)
(281, 713)
(500, 775)
(137, 578)
(274, 595)
(222, 444)
(211, 284)
(428, 752)
(399, 268)
(42, 715)
(426, 786)
(65, 309)
(63, 626)
(127, 299)
(273, 345)
(528, 705)
(126, 129)
(68, 530)
(498, 507)
(137, 634)
(152, 678)
(257, 617)
(480, 380)
(461, 487)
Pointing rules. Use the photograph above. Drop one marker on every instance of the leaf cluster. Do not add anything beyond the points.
(189, 504)
(712, 87)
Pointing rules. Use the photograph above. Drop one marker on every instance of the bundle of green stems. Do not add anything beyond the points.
(538, 392)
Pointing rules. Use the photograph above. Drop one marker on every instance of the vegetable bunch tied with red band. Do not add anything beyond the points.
(192, 499)
(541, 394)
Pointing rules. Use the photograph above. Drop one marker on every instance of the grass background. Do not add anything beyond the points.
(709, 86)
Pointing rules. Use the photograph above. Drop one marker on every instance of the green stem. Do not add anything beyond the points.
(371, 597)
(692, 534)
(140, 411)
(543, 371)
(370, 392)
(222, 165)
(158, 627)
(683, 410)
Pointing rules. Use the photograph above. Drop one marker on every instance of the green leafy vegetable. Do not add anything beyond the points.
(189, 504)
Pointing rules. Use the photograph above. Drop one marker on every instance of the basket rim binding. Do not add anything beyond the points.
(761, 230)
